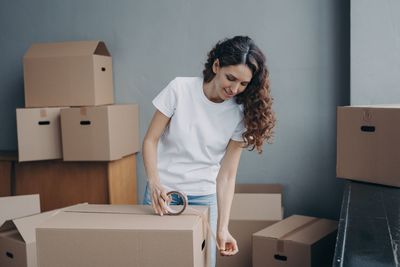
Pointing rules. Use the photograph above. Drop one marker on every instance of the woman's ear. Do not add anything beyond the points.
(215, 66)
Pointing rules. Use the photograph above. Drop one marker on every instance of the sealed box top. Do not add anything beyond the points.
(113, 217)
(300, 229)
(64, 49)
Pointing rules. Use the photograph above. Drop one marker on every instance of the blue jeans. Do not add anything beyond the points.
(205, 200)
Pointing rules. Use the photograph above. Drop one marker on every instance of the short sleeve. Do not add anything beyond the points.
(237, 134)
(166, 100)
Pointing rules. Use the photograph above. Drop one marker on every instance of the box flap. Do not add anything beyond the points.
(258, 206)
(67, 49)
(301, 229)
(18, 206)
(123, 217)
(26, 226)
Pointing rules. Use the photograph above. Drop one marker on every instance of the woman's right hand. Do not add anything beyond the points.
(159, 198)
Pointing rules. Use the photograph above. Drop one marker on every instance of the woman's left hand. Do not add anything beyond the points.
(227, 244)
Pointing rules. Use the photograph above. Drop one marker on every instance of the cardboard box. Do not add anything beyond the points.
(254, 207)
(68, 74)
(100, 133)
(368, 144)
(297, 241)
(122, 235)
(18, 240)
(39, 133)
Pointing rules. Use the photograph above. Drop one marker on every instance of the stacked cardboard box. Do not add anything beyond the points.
(254, 207)
(368, 144)
(74, 79)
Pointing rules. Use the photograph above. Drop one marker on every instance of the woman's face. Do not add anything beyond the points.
(230, 80)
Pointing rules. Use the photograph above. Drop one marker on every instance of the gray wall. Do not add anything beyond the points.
(375, 52)
(306, 43)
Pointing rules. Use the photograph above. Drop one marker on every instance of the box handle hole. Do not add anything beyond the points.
(103, 69)
(280, 257)
(10, 255)
(85, 122)
(203, 245)
(368, 129)
(44, 122)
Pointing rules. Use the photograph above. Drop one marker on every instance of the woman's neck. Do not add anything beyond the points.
(210, 92)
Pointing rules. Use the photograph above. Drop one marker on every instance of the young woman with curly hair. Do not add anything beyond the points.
(195, 139)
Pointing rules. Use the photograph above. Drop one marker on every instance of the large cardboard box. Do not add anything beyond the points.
(368, 144)
(254, 207)
(122, 235)
(39, 133)
(297, 241)
(18, 240)
(100, 133)
(68, 74)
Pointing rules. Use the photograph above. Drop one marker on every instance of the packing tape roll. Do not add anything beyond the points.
(184, 201)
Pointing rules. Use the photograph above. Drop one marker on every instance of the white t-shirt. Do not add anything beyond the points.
(193, 144)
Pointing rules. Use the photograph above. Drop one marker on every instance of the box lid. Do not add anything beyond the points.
(65, 49)
(18, 206)
(119, 217)
(300, 229)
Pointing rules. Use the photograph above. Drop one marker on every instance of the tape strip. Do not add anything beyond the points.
(280, 242)
(83, 111)
(43, 113)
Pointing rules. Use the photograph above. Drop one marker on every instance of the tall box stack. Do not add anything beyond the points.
(58, 76)
(368, 144)
(70, 114)
(254, 207)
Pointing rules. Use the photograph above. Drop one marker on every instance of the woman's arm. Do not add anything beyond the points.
(154, 132)
(225, 190)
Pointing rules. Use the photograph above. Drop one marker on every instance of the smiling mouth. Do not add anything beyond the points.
(228, 94)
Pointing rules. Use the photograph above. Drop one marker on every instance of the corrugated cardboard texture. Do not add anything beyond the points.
(294, 242)
(255, 206)
(39, 134)
(104, 235)
(68, 74)
(101, 133)
(368, 144)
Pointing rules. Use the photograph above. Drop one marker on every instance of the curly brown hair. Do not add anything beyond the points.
(259, 118)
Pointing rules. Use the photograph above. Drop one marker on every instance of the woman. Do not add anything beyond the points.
(195, 139)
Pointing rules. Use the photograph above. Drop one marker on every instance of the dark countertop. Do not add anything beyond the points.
(369, 226)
